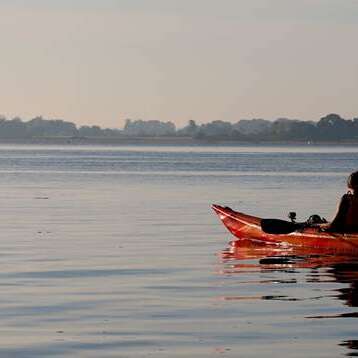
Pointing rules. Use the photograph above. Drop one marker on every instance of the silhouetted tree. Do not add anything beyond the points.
(334, 127)
(151, 128)
(189, 130)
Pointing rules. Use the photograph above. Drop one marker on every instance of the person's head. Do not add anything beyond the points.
(352, 181)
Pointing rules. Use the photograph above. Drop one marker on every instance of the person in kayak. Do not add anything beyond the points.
(346, 218)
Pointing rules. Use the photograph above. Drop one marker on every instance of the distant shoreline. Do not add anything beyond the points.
(159, 141)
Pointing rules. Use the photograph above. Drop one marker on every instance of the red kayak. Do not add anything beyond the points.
(248, 227)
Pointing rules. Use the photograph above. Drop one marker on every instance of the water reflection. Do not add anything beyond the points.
(351, 345)
(316, 267)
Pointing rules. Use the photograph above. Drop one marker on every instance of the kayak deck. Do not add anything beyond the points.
(248, 227)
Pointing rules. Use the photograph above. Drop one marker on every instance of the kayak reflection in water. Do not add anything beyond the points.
(346, 219)
(307, 271)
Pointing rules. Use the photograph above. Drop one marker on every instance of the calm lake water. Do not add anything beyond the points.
(115, 252)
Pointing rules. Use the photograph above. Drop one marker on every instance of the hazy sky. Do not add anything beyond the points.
(101, 61)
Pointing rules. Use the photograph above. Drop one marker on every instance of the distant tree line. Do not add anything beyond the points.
(40, 127)
(329, 128)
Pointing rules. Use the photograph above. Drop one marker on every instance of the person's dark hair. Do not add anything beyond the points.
(352, 181)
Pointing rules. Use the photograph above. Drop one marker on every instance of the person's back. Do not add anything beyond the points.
(346, 219)
(351, 219)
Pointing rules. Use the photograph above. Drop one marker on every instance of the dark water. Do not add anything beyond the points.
(114, 252)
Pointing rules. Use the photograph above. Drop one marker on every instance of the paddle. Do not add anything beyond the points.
(279, 227)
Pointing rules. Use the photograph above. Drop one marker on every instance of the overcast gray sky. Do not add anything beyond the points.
(102, 61)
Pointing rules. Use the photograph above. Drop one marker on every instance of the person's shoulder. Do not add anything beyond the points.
(346, 198)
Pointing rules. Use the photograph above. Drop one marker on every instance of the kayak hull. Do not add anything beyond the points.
(248, 227)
